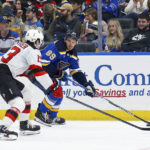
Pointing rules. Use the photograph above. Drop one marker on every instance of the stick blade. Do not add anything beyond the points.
(144, 129)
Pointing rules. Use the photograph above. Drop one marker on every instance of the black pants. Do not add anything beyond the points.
(9, 87)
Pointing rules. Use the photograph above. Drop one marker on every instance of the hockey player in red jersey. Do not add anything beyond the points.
(20, 59)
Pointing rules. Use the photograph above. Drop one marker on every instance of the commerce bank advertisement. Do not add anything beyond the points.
(124, 79)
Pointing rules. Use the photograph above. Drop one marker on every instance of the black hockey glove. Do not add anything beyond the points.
(90, 90)
(29, 74)
(61, 75)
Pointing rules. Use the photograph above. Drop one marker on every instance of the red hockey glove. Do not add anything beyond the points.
(54, 86)
(55, 89)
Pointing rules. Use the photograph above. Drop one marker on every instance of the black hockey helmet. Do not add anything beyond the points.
(71, 35)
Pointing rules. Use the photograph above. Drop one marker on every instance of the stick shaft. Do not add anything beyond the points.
(105, 113)
(125, 110)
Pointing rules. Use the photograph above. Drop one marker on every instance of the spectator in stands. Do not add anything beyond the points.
(19, 19)
(122, 5)
(110, 9)
(0, 7)
(7, 37)
(3, 1)
(32, 21)
(134, 8)
(112, 42)
(10, 2)
(87, 4)
(8, 12)
(59, 3)
(138, 39)
(148, 8)
(62, 24)
(20, 10)
(5, 4)
(39, 4)
(77, 9)
(49, 15)
(90, 26)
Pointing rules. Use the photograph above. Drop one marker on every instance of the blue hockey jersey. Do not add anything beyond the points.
(57, 54)
(111, 6)
(7, 42)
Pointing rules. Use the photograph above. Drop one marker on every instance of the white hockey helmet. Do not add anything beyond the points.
(32, 36)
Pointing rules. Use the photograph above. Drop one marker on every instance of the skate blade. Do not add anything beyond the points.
(39, 121)
(58, 124)
(24, 133)
(8, 138)
(148, 124)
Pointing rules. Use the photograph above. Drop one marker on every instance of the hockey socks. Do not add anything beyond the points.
(26, 112)
(43, 108)
(10, 116)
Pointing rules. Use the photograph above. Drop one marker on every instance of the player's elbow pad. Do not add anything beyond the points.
(35, 72)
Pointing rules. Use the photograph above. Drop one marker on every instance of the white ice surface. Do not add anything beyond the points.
(83, 135)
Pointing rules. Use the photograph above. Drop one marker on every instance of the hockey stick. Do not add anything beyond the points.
(107, 114)
(125, 110)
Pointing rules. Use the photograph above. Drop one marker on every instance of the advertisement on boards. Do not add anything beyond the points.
(123, 79)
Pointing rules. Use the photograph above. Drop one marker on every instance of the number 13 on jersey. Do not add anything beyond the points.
(10, 54)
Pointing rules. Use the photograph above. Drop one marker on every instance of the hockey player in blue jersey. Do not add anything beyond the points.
(58, 57)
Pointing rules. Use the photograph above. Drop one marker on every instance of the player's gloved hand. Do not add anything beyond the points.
(61, 75)
(54, 86)
(90, 90)
(54, 90)
(29, 74)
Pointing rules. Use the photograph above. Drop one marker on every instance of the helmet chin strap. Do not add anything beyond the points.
(37, 44)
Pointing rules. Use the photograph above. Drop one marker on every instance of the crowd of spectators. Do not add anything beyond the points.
(125, 23)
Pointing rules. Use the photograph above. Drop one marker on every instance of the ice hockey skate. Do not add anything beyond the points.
(5, 134)
(42, 118)
(46, 119)
(57, 120)
(26, 128)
